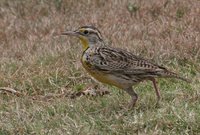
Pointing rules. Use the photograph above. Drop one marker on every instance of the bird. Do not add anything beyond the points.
(116, 66)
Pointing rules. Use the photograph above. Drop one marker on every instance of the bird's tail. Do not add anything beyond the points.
(170, 74)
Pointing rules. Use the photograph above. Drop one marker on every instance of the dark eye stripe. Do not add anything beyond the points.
(97, 33)
(91, 31)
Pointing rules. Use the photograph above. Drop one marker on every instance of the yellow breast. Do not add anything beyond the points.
(100, 76)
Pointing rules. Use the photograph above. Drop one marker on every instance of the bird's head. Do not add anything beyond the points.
(89, 35)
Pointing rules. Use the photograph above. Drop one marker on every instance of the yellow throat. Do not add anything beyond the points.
(84, 43)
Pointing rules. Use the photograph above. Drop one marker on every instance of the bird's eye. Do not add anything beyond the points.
(85, 32)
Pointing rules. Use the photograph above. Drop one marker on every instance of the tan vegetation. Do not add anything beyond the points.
(36, 61)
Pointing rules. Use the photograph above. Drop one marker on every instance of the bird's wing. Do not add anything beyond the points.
(116, 60)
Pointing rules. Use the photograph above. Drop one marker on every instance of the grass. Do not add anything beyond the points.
(38, 62)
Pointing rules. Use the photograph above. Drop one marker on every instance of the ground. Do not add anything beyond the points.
(40, 64)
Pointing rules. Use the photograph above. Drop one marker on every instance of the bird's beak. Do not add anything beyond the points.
(72, 33)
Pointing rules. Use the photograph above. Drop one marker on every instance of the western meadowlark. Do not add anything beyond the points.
(115, 66)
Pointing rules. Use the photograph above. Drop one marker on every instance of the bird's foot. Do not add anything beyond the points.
(158, 102)
(132, 103)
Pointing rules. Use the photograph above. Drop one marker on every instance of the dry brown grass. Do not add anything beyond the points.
(35, 60)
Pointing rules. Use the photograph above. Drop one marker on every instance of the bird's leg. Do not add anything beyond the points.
(133, 95)
(156, 89)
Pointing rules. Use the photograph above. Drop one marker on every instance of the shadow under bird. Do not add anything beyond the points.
(115, 66)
